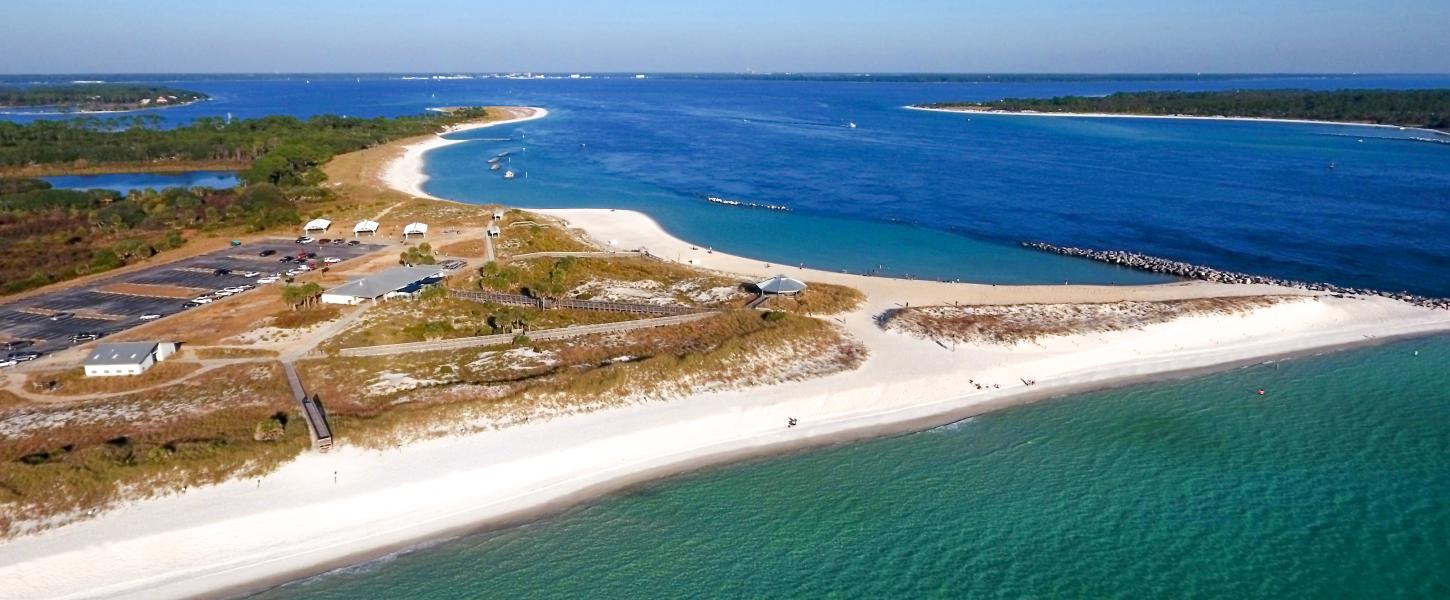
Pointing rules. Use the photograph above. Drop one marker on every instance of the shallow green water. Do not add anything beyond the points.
(1334, 484)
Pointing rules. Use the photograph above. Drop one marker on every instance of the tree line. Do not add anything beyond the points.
(1429, 109)
(95, 96)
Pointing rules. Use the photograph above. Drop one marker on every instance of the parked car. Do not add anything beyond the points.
(150, 317)
(337, 242)
(305, 240)
(249, 273)
(85, 336)
(203, 299)
(308, 255)
(61, 316)
(332, 260)
(191, 304)
(286, 259)
(268, 279)
(267, 252)
(18, 344)
(9, 362)
(28, 355)
(353, 242)
(325, 241)
(221, 294)
(222, 272)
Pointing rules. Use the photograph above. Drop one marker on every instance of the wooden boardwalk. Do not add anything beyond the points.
(311, 410)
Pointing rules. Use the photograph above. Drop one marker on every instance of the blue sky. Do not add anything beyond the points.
(76, 36)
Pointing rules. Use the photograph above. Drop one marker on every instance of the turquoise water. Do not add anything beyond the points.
(1336, 484)
(126, 182)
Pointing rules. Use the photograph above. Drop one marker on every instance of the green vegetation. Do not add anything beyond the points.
(49, 235)
(299, 296)
(283, 150)
(95, 97)
(1429, 109)
(422, 254)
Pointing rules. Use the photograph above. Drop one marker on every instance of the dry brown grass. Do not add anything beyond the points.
(631, 279)
(819, 299)
(1016, 323)
(211, 323)
(304, 317)
(470, 248)
(225, 352)
(73, 381)
(57, 462)
(442, 318)
(379, 401)
(525, 233)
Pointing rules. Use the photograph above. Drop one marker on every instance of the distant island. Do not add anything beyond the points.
(1427, 109)
(99, 97)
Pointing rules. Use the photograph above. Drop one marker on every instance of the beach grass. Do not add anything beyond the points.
(73, 381)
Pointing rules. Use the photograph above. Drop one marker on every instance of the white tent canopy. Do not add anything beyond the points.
(780, 284)
(318, 224)
(418, 228)
(365, 227)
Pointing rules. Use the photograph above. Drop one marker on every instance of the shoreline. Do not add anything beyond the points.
(1015, 113)
(297, 521)
(405, 173)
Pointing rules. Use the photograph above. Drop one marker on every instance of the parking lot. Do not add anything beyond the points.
(96, 308)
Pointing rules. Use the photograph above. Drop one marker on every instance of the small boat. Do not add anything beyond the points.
(852, 124)
(508, 174)
(493, 167)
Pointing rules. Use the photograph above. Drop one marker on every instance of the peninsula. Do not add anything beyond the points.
(96, 97)
(1423, 109)
(564, 354)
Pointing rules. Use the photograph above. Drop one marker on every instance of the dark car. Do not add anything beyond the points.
(191, 305)
(325, 241)
(18, 344)
(24, 356)
(267, 252)
(311, 255)
(353, 242)
(222, 272)
(86, 336)
(61, 316)
(287, 258)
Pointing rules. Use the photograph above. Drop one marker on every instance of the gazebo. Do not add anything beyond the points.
(368, 227)
(316, 225)
(781, 285)
(415, 228)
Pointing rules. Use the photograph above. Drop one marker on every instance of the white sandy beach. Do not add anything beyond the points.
(406, 173)
(965, 111)
(299, 519)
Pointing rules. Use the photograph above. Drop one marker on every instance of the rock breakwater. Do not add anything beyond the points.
(1185, 270)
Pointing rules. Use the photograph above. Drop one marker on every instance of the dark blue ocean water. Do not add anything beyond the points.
(1333, 486)
(1250, 197)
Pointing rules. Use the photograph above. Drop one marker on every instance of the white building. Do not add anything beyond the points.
(316, 225)
(415, 229)
(368, 227)
(126, 358)
(381, 285)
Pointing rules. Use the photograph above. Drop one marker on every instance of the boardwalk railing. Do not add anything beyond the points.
(505, 338)
(311, 410)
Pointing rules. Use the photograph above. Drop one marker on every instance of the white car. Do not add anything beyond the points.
(268, 279)
(8, 363)
(203, 299)
(219, 294)
(249, 274)
(150, 317)
(234, 289)
(293, 272)
(305, 240)
(332, 260)
(304, 268)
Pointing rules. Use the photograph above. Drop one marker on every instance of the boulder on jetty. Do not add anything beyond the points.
(1154, 264)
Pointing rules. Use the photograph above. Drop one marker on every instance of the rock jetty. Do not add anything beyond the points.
(1185, 270)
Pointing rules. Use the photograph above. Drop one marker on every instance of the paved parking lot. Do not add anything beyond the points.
(109, 312)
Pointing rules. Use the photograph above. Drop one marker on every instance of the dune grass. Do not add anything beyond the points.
(57, 463)
(1012, 324)
(73, 381)
(820, 299)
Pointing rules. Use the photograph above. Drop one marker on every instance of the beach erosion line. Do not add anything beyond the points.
(323, 511)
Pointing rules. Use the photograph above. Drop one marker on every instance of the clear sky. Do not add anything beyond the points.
(97, 36)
